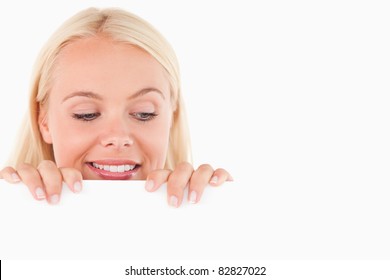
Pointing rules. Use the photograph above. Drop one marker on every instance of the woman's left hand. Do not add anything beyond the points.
(185, 176)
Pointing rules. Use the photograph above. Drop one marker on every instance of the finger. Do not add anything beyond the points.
(156, 178)
(52, 180)
(72, 178)
(219, 177)
(199, 180)
(177, 182)
(10, 175)
(32, 179)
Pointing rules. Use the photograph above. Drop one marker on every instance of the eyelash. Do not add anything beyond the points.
(143, 116)
(86, 117)
(140, 116)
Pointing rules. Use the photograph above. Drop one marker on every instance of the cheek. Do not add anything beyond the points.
(69, 142)
(154, 144)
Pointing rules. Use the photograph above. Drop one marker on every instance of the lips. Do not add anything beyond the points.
(114, 169)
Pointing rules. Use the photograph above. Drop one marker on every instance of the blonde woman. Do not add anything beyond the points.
(106, 104)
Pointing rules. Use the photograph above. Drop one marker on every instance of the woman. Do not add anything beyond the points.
(105, 103)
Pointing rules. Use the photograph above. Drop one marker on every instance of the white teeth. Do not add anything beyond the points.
(114, 168)
(129, 167)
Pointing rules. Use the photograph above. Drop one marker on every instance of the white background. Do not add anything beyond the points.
(292, 97)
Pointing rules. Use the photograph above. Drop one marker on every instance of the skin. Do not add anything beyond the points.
(109, 104)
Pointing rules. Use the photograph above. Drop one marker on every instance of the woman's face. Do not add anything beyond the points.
(109, 110)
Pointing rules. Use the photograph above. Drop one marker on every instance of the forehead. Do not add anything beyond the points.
(99, 63)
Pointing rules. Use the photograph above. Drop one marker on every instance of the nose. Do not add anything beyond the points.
(116, 135)
(117, 142)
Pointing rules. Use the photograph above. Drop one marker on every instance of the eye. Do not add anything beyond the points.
(143, 116)
(86, 117)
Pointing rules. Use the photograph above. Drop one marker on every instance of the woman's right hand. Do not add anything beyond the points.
(45, 181)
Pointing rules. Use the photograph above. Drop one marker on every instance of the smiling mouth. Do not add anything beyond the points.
(114, 171)
(114, 168)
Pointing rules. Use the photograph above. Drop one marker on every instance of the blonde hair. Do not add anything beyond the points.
(120, 26)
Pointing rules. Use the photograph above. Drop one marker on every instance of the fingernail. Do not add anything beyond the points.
(54, 199)
(40, 193)
(15, 177)
(214, 180)
(149, 185)
(77, 187)
(173, 201)
(193, 197)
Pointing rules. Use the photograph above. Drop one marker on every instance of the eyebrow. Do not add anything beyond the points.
(146, 91)
(93, 95)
